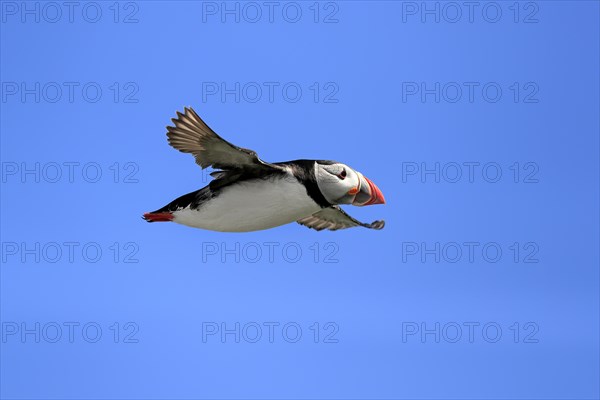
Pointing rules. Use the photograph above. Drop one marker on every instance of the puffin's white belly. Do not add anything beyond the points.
(251, 206)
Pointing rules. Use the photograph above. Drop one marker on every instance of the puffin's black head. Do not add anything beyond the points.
(341, 184)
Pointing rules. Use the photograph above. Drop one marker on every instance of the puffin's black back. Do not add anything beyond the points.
(303, 171)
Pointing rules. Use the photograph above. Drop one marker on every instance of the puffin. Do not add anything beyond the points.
(249, 194)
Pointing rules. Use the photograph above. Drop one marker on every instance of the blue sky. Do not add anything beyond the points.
(480, 126)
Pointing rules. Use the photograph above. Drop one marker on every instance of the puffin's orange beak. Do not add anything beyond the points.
(368, 193)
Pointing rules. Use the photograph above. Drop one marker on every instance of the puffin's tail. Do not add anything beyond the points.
(158, 216)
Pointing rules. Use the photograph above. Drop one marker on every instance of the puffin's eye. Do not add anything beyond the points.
(342, 174)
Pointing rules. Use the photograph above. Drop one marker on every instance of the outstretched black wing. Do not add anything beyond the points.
(334, 218)
(191, 135)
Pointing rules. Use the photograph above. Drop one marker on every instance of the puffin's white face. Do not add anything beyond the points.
(340, 184)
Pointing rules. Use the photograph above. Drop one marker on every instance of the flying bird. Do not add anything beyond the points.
(249, 194)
